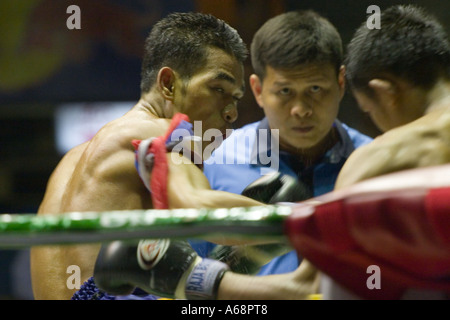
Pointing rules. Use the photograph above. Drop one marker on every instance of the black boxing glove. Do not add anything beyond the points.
(272, 188)
(248, 259)
(163, 267)
(277, 187)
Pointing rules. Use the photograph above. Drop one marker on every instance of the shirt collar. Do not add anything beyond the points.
(341, 150)
(262, 145)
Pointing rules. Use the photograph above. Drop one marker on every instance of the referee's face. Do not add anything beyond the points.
(302, 103)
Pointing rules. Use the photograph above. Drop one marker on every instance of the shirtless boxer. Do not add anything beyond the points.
(193, 64)
(400, 75)
(293, 285)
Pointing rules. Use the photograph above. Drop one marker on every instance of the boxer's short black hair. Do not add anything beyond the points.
(410, 44)
(181, 41)
(296, 38)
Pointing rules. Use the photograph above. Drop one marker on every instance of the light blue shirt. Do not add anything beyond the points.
(252, 151)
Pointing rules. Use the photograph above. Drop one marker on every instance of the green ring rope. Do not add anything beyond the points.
(25, 230)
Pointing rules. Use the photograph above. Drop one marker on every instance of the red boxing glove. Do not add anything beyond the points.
(398, 222)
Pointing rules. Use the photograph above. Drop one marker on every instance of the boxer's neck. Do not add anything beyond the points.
(438, 97)
(155, 105)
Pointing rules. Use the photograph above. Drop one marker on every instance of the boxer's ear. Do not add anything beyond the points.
(256, 86)
(383, 85)
(385, 91)
(166, 80)
(341, 81)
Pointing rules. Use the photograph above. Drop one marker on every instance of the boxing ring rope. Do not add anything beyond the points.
(25, 230)
(399, 223)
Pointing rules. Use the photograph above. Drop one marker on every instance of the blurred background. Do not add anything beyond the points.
(59, 86)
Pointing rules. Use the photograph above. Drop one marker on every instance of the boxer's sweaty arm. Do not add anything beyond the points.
(297, 285)
(189, 188)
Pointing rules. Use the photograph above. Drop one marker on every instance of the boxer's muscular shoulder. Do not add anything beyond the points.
(59, 179)
(421, 143)
(107, 166)
(426, 141)
(364, 163)
(111, 147)
(118, 134)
